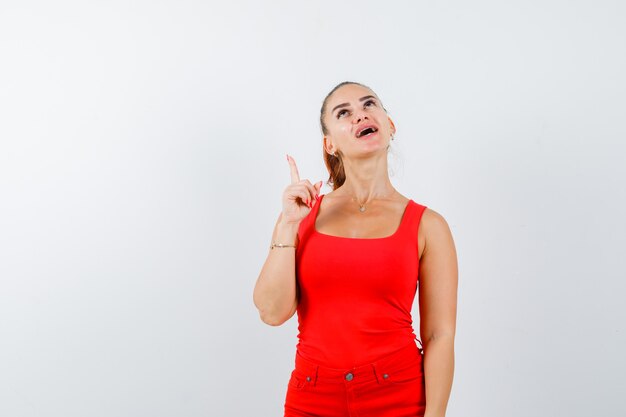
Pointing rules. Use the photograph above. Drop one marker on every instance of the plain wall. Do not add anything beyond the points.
(142, 163)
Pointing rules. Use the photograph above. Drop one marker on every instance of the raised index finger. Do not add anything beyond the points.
(294, 170)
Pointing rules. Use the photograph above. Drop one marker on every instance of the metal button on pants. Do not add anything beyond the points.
(392, 386)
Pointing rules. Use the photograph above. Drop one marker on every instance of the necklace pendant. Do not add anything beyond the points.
(362, 209)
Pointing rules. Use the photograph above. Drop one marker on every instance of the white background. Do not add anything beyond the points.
(142, 162)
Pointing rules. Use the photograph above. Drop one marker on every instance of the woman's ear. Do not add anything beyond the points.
(393, 127)
(328, 146)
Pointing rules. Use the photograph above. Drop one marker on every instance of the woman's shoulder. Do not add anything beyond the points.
(430, 216)
(433, 217)
(434, 227)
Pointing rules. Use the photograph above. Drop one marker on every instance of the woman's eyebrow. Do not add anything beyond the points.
(347, 104)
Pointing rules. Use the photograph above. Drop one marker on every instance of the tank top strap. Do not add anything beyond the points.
(413, 216)
(307, 225)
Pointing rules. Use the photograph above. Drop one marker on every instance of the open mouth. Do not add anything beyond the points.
(368, 131)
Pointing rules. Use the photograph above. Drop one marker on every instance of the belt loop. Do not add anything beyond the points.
(375, 373)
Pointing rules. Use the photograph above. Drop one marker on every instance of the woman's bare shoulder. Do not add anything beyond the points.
(434, 227)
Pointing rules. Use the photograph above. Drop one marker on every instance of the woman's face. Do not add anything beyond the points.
(350, 109)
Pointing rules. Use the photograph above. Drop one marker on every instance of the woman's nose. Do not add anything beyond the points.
(359, 117)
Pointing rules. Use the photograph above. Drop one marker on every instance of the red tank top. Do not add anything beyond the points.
(356, 294)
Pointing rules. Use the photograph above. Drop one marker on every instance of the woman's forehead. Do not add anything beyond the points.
(350, 92)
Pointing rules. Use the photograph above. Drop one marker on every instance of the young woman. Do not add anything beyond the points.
(349, 262)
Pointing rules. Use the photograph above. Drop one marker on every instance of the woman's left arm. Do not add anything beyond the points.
(437, 304)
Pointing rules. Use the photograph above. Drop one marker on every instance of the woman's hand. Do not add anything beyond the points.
(299, 196)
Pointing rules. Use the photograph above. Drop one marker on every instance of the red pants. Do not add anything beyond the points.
(392, 386)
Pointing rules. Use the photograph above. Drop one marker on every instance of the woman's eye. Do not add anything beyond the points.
(367, 103)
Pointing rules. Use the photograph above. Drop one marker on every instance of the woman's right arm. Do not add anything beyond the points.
(275, 293)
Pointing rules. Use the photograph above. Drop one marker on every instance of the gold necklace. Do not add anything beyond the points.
(361, 206)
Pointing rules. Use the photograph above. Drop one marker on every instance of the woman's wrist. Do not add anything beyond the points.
(286, 233)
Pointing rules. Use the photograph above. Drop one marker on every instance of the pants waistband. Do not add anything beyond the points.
(377, 370)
